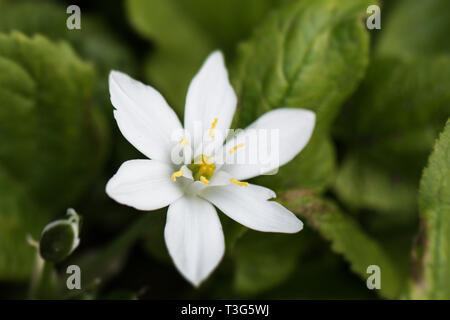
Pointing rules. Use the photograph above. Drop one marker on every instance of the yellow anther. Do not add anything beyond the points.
(211, 131)
(239, 183)
(232, 150)
(177, 174)
(184, 142)
(204, 180)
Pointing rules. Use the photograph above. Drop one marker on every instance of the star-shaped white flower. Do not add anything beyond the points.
(193, 232)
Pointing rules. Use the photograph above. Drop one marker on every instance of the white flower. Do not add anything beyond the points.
(193, 232)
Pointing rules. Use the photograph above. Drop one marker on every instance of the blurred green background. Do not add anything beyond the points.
(381, 98)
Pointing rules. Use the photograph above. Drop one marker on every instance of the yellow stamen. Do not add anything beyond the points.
(177, 174)
(239, 183)
(204, 180)
(206, 160)
(232, 150)
(211, 131)
(184, 142)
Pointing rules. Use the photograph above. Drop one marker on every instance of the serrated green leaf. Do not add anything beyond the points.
(416, 28)
(308, 54)
(432, 277)
(52, 140)
(94, 42)
(347, 238)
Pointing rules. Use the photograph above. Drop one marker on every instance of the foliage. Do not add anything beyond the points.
(52, 138)
(433, 253)
(346, 236)
(381, 99)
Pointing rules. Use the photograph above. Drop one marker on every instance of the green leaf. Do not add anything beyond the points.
(416, 28)
(94, 42)
(314, 168)
(19, 218)
(264, 260)
(152, 18)
(407, 100)
(432, 266)
(30, 18)
(347, 238)
(321, 275)
(388, 127)
(308, 54)
(52, 138)
(362, 185)
(185, 32)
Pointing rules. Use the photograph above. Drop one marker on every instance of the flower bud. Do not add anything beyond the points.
(60, 238)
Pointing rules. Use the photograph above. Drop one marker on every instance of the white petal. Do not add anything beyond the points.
(248, 206)
(210, 96)
(144, 185)
(290, 130)
(219, 178)
(259, 192)
(143, 116)
(193, 188)
(194, 238)
(187, 173)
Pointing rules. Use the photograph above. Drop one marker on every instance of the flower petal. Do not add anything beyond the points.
(210, 96)
(144, 185)
(271, 141)
(143, 116)
(194, 238)
(248, 206)
(219, 178)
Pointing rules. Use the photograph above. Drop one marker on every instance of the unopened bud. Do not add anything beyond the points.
(60, 238)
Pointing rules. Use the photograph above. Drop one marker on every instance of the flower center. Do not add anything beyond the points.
(202, 169)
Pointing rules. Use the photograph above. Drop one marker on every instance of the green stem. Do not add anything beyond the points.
(42, 279)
